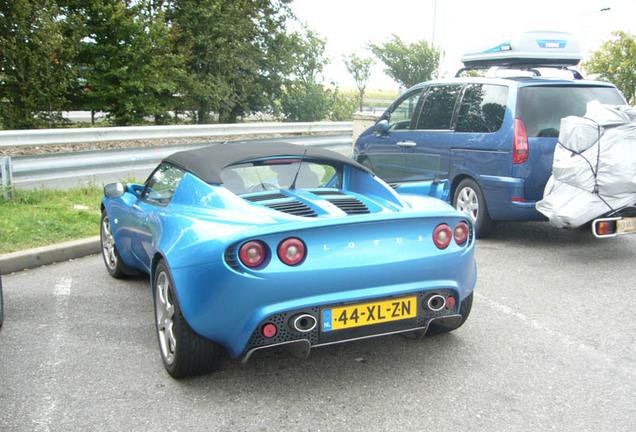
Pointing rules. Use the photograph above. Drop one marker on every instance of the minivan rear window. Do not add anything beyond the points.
(542, 108)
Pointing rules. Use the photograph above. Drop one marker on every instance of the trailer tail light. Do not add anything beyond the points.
(520, 147)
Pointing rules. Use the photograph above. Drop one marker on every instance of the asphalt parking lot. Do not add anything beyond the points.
(549, 346)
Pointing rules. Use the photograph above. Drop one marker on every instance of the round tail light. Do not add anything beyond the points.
(291, 251)
(461, 233)
(253, 253)
(442, 236)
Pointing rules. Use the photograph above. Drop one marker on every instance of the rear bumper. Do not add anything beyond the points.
(505, 199)
(300, 342)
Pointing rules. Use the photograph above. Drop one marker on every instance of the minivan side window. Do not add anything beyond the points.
(438, 108)
(401, 115)
(162, 184)
(482, 108)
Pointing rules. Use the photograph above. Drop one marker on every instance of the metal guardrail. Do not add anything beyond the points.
(129, 133)
(61, 170)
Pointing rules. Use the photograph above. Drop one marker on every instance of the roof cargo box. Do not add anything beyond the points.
(535, 48)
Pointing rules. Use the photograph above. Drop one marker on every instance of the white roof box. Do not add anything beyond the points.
(535, 48)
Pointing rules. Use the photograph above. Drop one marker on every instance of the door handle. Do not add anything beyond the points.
(407, 144)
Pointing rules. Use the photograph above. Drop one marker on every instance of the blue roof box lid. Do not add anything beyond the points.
(535, 48)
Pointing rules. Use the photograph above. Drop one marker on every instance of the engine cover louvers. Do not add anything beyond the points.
(350, 206)
(293, 207)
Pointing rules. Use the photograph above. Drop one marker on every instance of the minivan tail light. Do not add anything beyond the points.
(520, 148)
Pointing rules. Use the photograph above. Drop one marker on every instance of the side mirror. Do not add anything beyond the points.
(381, 127)
(114, 190)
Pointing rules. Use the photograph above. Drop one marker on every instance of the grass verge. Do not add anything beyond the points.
(35, 218)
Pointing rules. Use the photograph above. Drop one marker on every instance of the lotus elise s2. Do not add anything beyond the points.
(252, 246)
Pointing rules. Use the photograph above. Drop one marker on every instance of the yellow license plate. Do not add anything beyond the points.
(627, 225)
(346, 317)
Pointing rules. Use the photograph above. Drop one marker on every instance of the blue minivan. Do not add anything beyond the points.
(493, 139)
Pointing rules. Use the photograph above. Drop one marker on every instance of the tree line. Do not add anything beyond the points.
(218, 60)
(212, 60)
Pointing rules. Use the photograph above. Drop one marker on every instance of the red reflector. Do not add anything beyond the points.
(450, 302)
(269, 330)
(517, 199)
(520, 147)
(442, 236)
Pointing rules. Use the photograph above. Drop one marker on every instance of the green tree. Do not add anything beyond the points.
(125, 58)
(304, 97)
(407, 64)
(235, 53)
(615, 62)
(360, 68)
(36, 71)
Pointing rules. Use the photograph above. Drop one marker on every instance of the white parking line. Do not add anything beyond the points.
(62, 293)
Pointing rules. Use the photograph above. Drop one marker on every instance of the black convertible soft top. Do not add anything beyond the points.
(208, 162)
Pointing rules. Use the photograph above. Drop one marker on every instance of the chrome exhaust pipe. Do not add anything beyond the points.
(436, 302)
(303, 323)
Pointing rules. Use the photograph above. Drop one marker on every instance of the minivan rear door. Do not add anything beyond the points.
(541, 108)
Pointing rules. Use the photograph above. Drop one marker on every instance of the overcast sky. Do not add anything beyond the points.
(455, 26)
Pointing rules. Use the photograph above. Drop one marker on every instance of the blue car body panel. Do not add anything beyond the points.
(387, 252)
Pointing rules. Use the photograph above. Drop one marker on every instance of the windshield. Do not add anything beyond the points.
(276, 174)
(542, 108)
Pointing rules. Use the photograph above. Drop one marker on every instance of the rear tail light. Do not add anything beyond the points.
(292, 251)
(442, 236)
(461, 233)
(520, 147)
(253, 253)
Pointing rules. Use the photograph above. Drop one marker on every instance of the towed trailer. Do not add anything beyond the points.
(593, 178)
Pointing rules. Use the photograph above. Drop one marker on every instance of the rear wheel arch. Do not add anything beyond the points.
(183, 351)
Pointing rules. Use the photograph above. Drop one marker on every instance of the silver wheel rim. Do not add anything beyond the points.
(467, 202)
(108, 244)
(164, 310)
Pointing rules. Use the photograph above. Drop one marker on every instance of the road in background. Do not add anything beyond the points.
(549, 346)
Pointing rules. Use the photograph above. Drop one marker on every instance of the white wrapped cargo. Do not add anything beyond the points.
(594, 168)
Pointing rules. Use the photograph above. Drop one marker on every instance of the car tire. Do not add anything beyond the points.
(440, 328)
(112, 260)
(184, 352)
(469, 198)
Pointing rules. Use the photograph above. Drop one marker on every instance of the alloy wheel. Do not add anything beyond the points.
(108, 244)
(164, 311)
(467, 201)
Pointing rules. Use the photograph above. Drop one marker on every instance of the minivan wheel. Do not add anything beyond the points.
(469, 198)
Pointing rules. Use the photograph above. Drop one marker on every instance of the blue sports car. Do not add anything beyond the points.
(252, 246)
